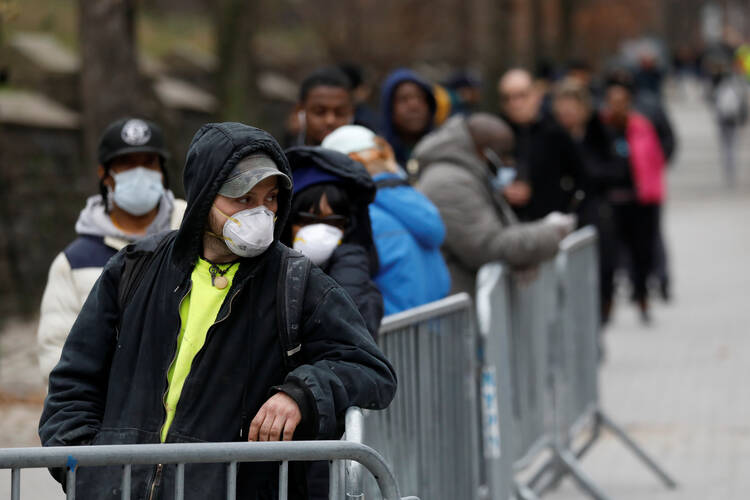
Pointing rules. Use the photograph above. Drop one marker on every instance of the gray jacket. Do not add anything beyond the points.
(456, 179)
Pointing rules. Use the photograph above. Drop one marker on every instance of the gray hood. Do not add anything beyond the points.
(451, 144)
(95, 221)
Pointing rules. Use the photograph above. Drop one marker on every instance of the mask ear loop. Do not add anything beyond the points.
(218, 236)
(233, 219)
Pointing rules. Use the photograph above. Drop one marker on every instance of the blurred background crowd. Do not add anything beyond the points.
(577, 83)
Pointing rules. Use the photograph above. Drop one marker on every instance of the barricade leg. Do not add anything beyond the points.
(569, 461)
(525, 493)
(637, 450)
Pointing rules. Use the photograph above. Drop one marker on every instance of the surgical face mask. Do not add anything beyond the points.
(504, 174)
(318, 241)
(249, 232)
(138, 190)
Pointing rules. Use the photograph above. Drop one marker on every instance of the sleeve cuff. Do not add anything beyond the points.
(306, 427)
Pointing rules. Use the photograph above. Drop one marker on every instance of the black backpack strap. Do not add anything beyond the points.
(391, 182)
(290, 293)
(136, 263)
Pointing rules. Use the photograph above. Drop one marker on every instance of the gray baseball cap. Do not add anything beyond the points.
(249, 172)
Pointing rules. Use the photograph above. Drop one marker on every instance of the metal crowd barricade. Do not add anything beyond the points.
(540, 372)
(73, 457)
(429, 434)
(517, 319)
(576, 366)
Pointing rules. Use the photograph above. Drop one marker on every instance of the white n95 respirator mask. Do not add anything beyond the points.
(249, 232)
(318, 241)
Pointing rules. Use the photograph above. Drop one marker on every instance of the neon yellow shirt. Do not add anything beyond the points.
(198, 312)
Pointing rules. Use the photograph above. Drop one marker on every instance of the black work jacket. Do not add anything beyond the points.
(110, 383)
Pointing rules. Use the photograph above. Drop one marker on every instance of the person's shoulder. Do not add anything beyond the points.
(88, 251)
(150, 243)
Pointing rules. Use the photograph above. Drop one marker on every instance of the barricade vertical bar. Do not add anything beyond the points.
(71, 484)
(284, 480)
(232, 481)
(15, 484)
(334, 480)
(179, 487)
(125, 486)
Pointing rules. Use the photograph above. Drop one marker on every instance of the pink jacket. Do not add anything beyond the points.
(646, 159)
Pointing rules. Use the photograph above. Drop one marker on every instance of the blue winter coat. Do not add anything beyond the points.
(408, 232)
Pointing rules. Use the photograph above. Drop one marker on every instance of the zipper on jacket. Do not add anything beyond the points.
(159, 467)
(157, 473)
(174, 358)
(156, 481)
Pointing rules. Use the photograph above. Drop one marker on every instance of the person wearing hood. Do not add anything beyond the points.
(406, 225)
(182, 338)
(462, 168)
(134, 202)
(330, 224)
(408, 106)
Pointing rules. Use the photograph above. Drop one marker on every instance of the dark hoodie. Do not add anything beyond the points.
(109, 385)
(355, 261)
(402, 151)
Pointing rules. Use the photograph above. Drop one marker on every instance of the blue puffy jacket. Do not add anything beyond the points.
(408, 232)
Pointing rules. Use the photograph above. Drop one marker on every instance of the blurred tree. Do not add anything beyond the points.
(110, 81)
(567, 29)
(235, 24)
(499, 57)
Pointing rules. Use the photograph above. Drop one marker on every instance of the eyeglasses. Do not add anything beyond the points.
(514, 96)
(307, 218)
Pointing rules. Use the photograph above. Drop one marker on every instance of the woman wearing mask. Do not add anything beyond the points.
(330, 223)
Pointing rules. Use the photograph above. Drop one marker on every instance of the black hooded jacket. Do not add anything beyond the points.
(355, 261)
(110, 383)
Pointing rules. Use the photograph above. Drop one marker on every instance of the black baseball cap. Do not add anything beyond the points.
(131, 135)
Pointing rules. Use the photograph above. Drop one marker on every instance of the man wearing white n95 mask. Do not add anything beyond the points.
(134, 202)
(215, 332)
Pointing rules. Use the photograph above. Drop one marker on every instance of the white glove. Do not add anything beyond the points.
(564, 223)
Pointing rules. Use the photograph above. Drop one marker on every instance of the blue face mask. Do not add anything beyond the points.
(138, 190)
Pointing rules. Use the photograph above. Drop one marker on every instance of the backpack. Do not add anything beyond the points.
(290, 292)
(729, 100)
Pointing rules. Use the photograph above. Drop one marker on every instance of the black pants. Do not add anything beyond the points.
(636, 226)
(599, 213)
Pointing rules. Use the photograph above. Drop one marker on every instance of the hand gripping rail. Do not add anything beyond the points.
(72, 457)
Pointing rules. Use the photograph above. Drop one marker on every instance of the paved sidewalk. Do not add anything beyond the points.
(678, 387)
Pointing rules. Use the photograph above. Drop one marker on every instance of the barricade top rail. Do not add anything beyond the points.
(578, 239)
(72, 457)
(428, 311)
(173, 453)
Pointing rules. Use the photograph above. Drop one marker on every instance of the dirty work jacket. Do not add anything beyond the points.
(109, 385)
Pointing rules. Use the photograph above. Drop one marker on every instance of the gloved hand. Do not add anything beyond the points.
(564, 223)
